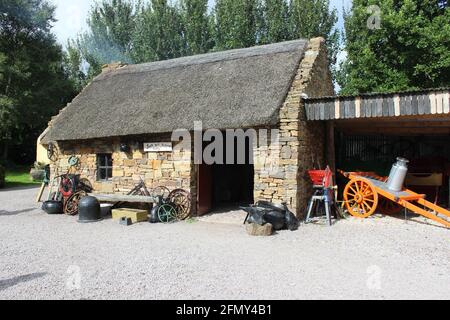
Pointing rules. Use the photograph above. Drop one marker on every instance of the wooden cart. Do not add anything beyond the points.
(366, 191)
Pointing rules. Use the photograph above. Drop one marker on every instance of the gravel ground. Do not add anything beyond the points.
(54, 257)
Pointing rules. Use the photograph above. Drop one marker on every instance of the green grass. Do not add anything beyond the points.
(18, 177)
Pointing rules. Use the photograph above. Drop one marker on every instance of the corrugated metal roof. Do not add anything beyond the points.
(406, 103)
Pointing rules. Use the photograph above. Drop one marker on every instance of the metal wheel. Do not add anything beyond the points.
(160, 191)
(85, 185)
(71, 204)
(182, 201)
(52, 152)
(386, 206)
(167, 213)
(360, 198)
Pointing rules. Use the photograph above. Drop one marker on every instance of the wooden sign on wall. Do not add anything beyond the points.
(157, 146)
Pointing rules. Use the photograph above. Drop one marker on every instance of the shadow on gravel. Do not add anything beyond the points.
(4, 284)
(11, 213)
(15, 186)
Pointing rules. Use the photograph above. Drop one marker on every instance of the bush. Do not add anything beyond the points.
(2, 176)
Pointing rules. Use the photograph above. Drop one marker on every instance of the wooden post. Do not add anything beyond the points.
(330, 152)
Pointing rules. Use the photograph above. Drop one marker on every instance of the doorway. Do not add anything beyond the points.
(226, 185)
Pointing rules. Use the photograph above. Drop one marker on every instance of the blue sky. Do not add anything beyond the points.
(72, 15)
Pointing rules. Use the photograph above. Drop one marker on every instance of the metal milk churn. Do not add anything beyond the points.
(397, 175)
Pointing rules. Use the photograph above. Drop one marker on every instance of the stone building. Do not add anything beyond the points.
(113, 122)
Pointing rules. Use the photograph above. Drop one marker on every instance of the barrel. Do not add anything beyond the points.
(89, 210)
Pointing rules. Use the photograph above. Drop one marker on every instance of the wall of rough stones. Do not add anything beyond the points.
(280, 168)
(171, 169)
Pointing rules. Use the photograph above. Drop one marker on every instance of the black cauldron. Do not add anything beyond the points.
(89, 210)
(53, 207)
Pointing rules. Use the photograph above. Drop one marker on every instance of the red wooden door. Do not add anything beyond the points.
(204, 189)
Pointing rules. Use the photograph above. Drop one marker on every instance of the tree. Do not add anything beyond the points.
(111, 25)
(73, 62)
(196, 22)
(33, 83)
(159, 33)
(313, 18)
(275, 17)
(236, 23)
(394, 46)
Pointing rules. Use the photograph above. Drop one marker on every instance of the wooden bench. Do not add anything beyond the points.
(113, 198)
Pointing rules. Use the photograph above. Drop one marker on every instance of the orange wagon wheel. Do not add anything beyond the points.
(361, 198)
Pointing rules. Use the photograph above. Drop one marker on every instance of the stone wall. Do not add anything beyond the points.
(280, 168)
(170, 169)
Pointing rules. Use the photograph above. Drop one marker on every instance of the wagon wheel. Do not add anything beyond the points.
(388, 207)
(360, 198)
(160, 191)
(52, 152)
(71, 204)
(182, 201)
(167, 213)
(85, 185)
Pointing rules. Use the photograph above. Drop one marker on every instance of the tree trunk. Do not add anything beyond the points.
(5, 151)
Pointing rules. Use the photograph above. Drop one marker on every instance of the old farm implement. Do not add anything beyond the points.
(366, 191)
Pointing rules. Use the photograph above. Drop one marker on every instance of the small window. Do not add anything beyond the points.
(104, 166)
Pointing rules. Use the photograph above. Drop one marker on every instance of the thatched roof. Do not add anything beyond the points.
(229, 89)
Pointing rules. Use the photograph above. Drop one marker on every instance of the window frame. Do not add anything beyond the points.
(105, 157)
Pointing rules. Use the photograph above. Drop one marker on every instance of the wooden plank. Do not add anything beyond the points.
(342, 109)
(337, 108)
(385, 106)
(414, 105)
(397, 108)
(317, 111)
(427, 104)
(373, 106)
(402, 105)
(329, 114)
(446, 102)
(357, 107)
(363, 108)
(391, 107)
(379, 102)
(351, 107)
(366, 108)
(122, 198)
(348, 113)
(331, 152)
(322, 111)
(307, 110)
(432, 103)
(439, 104)
(408, 105)
(421, 104)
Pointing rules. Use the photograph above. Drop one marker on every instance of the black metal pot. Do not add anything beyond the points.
(53, 207)
(89, 210)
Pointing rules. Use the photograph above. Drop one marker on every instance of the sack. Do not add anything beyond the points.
(292, 222)
(254, 215)
(276, 219)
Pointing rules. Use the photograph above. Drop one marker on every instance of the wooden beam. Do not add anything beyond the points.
(122, 198)
(330, 152)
